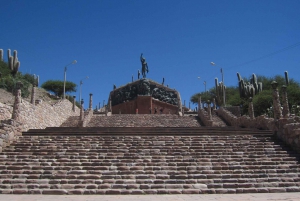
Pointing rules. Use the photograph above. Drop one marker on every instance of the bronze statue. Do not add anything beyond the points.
(144, 66)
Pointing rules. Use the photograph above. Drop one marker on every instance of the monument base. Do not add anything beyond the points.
(144, 105)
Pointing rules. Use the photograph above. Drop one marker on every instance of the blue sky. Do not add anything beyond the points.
(178, 38)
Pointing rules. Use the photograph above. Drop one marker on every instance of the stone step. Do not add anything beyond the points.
(81, 191)
(143, 131)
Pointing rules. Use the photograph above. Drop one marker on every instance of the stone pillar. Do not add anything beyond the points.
(199, 103)
(285, 101)
(33, 95)
(110, 107)
(81, 110)
(251, 109)
(91, 102)
(276, 102)
(73, 107)
(17, 103)
(209, 110)
(214, 104)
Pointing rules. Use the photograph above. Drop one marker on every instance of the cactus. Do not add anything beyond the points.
(1, 55)
(250, 89)
(36, 80)
(220, 88)
(286, 78)
(13, 62)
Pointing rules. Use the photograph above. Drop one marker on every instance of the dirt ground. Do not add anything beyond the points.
(41, 94)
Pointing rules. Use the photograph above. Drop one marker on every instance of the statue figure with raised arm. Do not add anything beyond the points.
(144, 66)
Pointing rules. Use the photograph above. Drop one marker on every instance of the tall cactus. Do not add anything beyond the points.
(36, 80)
(249, 89)
(287, 81)
(13, 62)
(1, 55)
(220, 89)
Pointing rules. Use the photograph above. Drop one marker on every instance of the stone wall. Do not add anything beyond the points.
(236, 110)
(289, 131)
(5, 111)
(204, 117)
(9, 131)
(31, 116)
(286, 129)
(44, 115)
(87, 117)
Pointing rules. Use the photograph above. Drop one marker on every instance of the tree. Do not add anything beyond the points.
(57, 86)
(263, 100)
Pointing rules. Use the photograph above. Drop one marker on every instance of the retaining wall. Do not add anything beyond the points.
(37, 116)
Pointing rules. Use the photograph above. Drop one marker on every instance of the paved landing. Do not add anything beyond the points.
(215, 197)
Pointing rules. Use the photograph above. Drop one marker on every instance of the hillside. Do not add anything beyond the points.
(42, 94)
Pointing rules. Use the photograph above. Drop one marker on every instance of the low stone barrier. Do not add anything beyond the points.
(10, 130)
(286, 129)
(87, 118)
(5, 111)
(204, 117)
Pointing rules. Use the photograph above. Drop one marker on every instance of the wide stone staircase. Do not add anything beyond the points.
(148, 160)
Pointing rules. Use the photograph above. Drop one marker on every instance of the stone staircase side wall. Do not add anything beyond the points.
(261, 122)
(39, 116)
(87, 118)
(5, 111)
(203, 115)
(44, 115)
(230, 118)
(9, 132)
(286, 129)
(289, 131)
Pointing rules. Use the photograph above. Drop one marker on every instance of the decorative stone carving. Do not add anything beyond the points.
(143, 87)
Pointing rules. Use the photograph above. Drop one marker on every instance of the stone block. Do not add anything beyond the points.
(54, 192)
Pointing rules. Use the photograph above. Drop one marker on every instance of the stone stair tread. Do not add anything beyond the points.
(149, 160)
